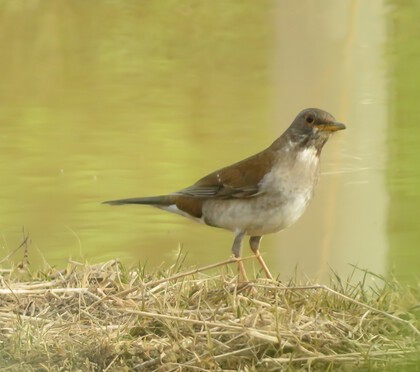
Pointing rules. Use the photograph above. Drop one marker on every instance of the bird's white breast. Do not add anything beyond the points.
(293, 176)
(285, 192)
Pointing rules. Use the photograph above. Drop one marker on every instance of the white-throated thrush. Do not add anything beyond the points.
(259, 195)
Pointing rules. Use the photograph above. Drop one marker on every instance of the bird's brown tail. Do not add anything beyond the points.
(162, 200)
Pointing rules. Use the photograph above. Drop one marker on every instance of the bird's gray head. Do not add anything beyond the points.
(313, 127)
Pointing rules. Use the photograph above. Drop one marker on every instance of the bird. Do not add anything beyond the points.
(262, 194)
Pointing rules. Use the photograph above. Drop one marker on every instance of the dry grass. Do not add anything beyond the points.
(109, 318)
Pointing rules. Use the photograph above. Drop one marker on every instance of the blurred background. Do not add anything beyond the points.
(110, 99)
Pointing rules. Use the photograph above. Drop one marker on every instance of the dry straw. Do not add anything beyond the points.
(109, 318)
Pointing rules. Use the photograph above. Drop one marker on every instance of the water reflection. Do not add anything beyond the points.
(118, 99)
(403, 174)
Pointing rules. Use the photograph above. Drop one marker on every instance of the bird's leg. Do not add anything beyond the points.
(236, 250)
(254, 242)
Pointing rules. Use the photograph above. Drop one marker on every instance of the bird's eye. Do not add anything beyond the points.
(310, 119)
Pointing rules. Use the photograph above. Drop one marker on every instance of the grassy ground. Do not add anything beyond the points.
(110, 318)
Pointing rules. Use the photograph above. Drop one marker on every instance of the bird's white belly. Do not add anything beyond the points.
(256, 216)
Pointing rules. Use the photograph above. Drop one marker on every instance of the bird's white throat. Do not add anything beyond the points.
(308, 155)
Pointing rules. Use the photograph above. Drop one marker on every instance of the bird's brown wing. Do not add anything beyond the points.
(240, 180)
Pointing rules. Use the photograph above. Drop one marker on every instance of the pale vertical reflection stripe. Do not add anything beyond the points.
(332, 59)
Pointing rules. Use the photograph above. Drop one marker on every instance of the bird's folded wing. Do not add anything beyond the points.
(241, 180)
(220, 191)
